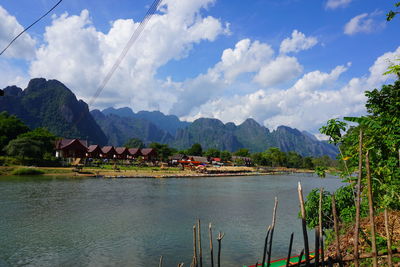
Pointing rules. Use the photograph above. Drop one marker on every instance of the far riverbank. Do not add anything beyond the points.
(151, 172)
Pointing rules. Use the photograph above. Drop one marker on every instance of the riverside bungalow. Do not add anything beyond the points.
(122, 152)
(94, 152)
(134, 153)
(149, 154)
(71, 148)
(108, 152)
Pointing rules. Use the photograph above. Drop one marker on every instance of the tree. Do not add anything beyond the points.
(10, 128)
(212, 152)
(276, 157)
(243, 152)
(294, 160)
(195, 150)
(134, 143)
(226, 155)
(163, 150)
(36, 145)
(391, 14)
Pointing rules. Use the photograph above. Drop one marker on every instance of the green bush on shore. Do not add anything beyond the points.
(27, 171)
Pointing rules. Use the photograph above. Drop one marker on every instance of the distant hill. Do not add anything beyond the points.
(52, 105)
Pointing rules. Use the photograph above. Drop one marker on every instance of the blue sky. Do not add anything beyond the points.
(281, 62)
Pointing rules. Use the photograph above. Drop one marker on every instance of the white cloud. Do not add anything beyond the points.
(77, 54)
(24, 46)
(297, 42)
(308, 104)
(363, 23)
(282, 69)
(11, 75)
(333, 4)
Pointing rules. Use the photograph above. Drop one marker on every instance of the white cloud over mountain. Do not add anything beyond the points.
(251, 78)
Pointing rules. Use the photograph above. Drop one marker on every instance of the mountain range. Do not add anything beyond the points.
(50, 104)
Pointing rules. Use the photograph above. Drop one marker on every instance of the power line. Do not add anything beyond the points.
(16, 37)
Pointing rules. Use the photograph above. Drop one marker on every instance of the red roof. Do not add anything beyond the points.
(107, 149)
(147, 151)
(63, 143)
(93, 148)
(217, 159)
(134, 151)
(121, 150)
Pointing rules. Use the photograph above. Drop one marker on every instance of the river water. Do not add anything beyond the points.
(131, 222)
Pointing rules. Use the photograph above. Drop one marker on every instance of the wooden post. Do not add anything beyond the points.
(265, 246)
(272, 232)
(211, 245)
(289, 252)
(194, 246)
(219, 239)
(389, 240)
(304, 224)
(301, 256)
(321, 227)
(358, 199)
(336, 228)
(199, 241)
(160, 263)
(371, 212)
(256, 264)
(317, 242)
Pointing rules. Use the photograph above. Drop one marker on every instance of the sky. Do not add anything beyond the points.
(281, 62)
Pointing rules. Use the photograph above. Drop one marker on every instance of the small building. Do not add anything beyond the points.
(177, 158)
(121, 152)
(94, 152)
(246, 161)
(134, 153)
(108, 152)
(71, 148)
(149, 154)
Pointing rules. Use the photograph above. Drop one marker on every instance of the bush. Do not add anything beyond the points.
(27, 171)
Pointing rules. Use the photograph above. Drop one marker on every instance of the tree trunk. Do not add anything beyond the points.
(371, 212)
(358, 199)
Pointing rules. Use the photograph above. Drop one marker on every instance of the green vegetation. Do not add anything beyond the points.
(391, 14)
(10, 128)
(27, 171)
(134, 143)
(163, 151)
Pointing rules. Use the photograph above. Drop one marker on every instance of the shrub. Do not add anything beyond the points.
(27, 171)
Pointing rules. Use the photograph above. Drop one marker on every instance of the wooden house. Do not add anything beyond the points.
(134, 153)
(94, 151)
(149, 154)
(108, 152)
(121, 152)
(71, 148)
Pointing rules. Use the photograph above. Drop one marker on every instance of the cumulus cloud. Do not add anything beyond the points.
(79, 55)
(333, 4)
(24, 46)
(310, 102)
(297, 42)
(363, 23)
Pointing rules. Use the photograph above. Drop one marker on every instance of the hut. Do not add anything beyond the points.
(134, 153)
(94, 151)
(122, 152)
(108, 152)
(71, 148)
(149, 154)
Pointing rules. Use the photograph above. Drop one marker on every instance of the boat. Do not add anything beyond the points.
(282, 262)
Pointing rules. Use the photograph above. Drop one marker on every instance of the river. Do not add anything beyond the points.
(48, 221)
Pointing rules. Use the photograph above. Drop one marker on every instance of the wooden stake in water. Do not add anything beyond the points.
(272, 232)
(336, 228)
(194, 246)
(389, 240)
(160, 263)
(321, 227)
(219, 239)
(371, 211)
(317, 241)
(304, 224)
(290, 251)
(358, 199)
(199, 240)
(265, 246)
(300, 257)
(211, 245)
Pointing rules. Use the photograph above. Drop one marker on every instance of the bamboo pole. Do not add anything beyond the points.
(358, 199)
(160, 263)
(336, 228)
(301, 256)
(219, 239)
(211, 245)
(265, 246)
(389, 241)
(289, 252)
(194, 246)
(304, 224)
(317, 242)
(272, 232)
(199, 241)
(371, 212)
(321, 227)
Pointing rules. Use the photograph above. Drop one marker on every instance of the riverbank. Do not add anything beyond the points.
(152, 172)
